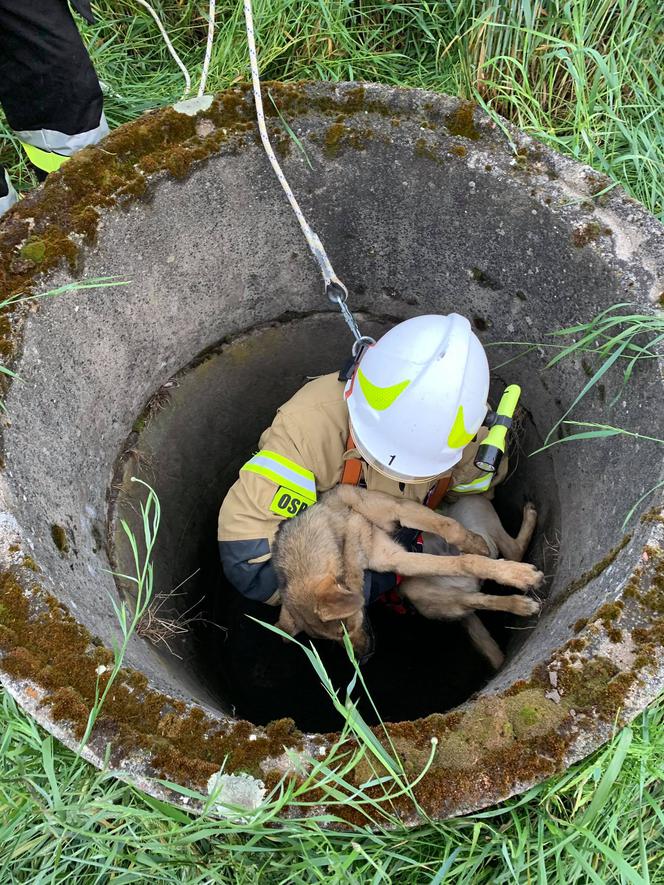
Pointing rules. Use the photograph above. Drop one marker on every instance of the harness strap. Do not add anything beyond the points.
(352, 470)
(352, 474)
(439, 491)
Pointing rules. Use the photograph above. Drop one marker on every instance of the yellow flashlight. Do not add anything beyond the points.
(492, 449)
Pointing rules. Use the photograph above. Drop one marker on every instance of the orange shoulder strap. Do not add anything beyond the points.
(352, 470)
(352, 474)
(439, 492)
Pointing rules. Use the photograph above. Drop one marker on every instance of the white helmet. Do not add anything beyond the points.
(418, 397)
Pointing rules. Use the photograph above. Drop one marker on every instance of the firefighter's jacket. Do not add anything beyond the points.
(300, 456)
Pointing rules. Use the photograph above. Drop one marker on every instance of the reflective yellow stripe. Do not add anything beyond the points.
(459, 436)
(47, 161)
(286, 462)
(380, 398)
(481, 484)
(284, 472)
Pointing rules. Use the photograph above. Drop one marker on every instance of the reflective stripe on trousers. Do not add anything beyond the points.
(284, 472)
(8, 199)
(48, 149)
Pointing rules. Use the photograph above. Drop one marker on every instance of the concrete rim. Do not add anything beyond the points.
(58, 223)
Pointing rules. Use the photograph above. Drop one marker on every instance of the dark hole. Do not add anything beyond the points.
(196, 444)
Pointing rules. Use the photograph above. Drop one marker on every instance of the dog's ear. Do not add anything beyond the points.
(333, 603)
(286, 622)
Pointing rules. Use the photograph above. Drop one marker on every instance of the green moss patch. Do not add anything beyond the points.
(461, 121)
(59, 536)
(49, 226)
(41, 642)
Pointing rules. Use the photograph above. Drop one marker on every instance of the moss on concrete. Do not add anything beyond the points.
(461, 121)
(588, 233)
(59, 536)
(590, 574)
(500, 740)
(41, 642)
(49, 226)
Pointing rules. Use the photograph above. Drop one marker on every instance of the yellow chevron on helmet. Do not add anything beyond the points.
(419, 396)
(459, 436)
(380, 398)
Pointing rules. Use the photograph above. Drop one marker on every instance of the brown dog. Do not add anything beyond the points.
(457, 597)
(320, 558)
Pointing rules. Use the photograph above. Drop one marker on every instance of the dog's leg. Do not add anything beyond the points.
(477, 514)
(515, 548)
(438, 600)
(415, 516)
(447, 600)
(387, 556)
(386, 512)
(484, 641)
(517, 605)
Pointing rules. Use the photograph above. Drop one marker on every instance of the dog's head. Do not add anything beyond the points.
(321, 607)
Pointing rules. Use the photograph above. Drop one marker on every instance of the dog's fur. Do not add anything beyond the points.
(457, 597)
(321, 555)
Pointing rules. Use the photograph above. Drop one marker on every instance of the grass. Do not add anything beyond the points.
(63, 821)
(584, 77)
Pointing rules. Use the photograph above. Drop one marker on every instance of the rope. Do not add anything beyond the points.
(169, 46)
(208, 49)
(334, 288)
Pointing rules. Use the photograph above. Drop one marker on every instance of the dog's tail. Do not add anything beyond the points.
(484, 641)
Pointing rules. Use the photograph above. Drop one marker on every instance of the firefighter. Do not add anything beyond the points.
(49, 90)
(408, 422)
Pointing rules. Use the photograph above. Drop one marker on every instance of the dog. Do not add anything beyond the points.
(457, 597)
(321, 555)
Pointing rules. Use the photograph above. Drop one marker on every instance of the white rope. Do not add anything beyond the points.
(208, 49)
(334, 287)
(169, 46)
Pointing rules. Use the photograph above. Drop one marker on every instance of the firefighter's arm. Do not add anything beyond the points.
(467, 479)
(276, 483)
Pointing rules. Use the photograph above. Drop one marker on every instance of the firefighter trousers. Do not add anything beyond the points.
(49, 90)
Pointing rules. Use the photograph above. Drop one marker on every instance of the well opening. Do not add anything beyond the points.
(425, 206)
(189, 443)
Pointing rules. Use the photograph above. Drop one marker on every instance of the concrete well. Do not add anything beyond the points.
(425, 206)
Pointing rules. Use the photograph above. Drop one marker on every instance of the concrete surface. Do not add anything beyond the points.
(415, 220)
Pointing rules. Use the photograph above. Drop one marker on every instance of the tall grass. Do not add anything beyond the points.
(62, 821)
(586, 77)
(142, 582)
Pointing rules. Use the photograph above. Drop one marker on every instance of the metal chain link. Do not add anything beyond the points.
(336, 291)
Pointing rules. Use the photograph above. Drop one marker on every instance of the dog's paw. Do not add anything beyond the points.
(529, 515)
(523, 576)
(473, 543)
(524, 605)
